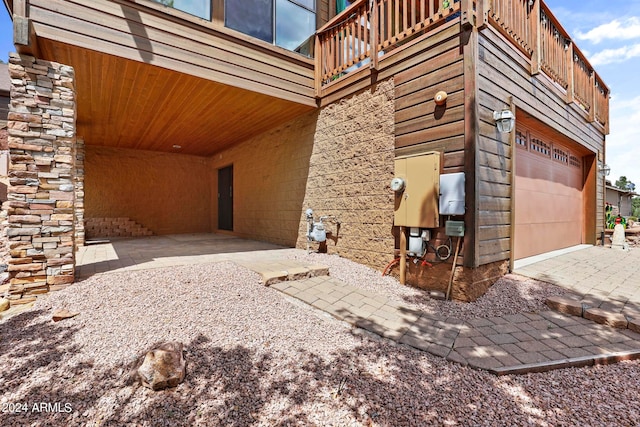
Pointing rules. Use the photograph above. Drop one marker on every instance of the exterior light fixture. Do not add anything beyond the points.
(604, 169)
(440, 98)
(177, 147)
(505, 120)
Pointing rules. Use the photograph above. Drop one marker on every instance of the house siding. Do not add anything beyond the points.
(504, 79)
(151, 33)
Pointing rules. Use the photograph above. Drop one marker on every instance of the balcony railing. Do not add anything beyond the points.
(369, 30)
(345, 43)
(531, 26)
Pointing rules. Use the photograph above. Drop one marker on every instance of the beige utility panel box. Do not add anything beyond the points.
(417, 186)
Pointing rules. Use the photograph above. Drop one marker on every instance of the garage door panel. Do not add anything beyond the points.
(534, 239)
(548, 202)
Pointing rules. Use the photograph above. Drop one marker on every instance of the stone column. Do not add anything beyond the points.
(41, 195)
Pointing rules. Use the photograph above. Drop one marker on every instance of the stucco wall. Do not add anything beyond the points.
(270, 175)
(167, 193)
(350, 170)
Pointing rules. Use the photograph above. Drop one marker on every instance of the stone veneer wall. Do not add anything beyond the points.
(350, 170)
(41, 195)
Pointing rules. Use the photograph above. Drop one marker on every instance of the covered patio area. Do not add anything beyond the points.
(127, 254)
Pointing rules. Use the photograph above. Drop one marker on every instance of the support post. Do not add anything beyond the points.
(536, 56)
(374, 35)
(41, 195)
(403, 255)
(571, 83)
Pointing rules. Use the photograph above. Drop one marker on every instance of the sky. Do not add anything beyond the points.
(610, 39)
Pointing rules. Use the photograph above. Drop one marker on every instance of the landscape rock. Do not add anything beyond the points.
(163, 367)
(4, 304)
(63, 313)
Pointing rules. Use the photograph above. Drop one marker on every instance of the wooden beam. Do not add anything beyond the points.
(512, 236)
(537, 31)
(24, 36)
(571, 84)
(403, 255)
(592, 95)
(469, 43)
(319, 57)
(373, 45)
(468, 13)
(482, 11)
(20, 8)
(217, 14)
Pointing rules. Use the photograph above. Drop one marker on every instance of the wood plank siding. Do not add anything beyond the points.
(150, 77)
(145, 31)
(421, 126)
(505, 81)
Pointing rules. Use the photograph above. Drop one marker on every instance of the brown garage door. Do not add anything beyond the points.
(549, 196)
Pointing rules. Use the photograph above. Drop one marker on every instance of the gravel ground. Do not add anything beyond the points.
(255, 357)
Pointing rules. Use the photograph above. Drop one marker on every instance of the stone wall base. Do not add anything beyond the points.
(469, 284)
(114, 227)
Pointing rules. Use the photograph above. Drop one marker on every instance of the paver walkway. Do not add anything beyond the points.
(600, 276)
(513, 344)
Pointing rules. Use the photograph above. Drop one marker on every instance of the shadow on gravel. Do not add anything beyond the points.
(375, 383)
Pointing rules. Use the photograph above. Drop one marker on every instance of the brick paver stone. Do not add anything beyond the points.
(503, 339)
(616, 320)
(634, 325)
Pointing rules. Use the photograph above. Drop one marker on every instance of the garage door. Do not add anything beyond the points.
(549, 204)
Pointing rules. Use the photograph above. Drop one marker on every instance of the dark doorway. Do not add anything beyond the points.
(225, 198)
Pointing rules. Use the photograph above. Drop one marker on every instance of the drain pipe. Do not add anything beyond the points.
(309, 214)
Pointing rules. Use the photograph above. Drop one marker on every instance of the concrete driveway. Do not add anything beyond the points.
(600, 276)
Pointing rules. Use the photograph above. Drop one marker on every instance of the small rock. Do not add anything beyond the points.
(163, 367)
(63, 313)
(4, 304)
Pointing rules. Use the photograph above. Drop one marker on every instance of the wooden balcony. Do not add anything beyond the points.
(368, 32)
(534, 30)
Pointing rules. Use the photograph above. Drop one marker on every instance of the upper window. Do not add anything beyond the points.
(286, 23)
(200, 8)
(252, 17)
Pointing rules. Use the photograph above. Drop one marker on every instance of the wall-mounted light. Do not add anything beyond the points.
(604, 170)
(176, 147)
(505, 120)
(440, 98)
